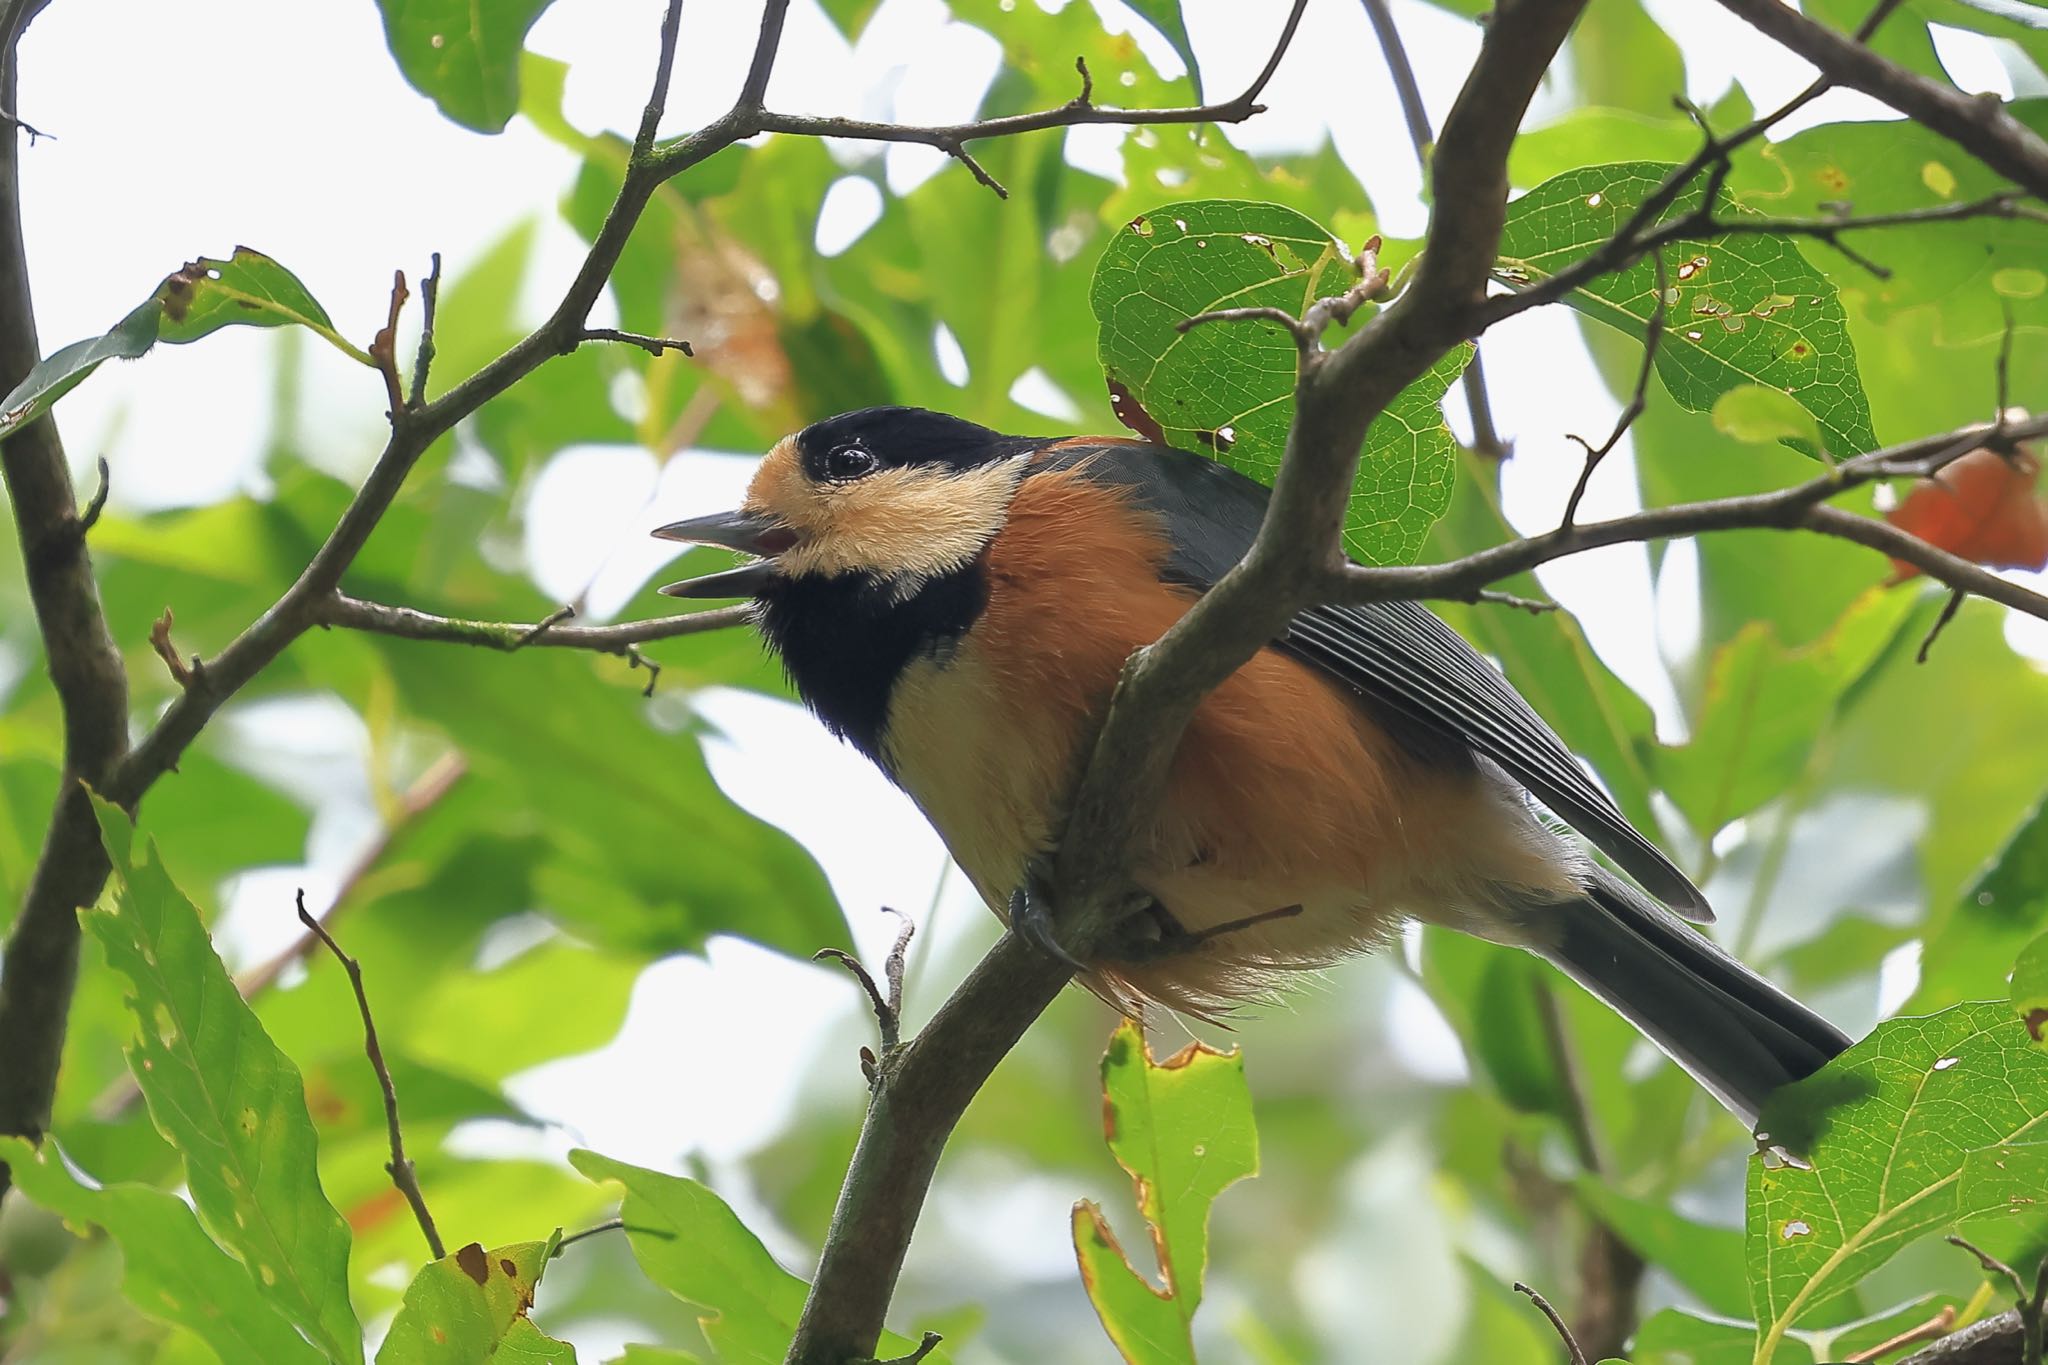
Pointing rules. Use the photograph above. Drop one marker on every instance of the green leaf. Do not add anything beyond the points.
(691, 1244)
(1182, 1129)
(463, 54)
(459, 1308)
(1764, 705)
(226, 1097)
(1971, 274)
(1755, 414)
(1676, 1337)
(1707, 1261)
(526, 1344)
(171, 1269)
(1885, 1132)
(1228, 389)
(2009, 1178)
(1742, 309)
(1997, 916)
(1165, 16)
(2030, 986)
(206, 295)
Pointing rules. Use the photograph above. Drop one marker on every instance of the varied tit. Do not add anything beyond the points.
(958, 604)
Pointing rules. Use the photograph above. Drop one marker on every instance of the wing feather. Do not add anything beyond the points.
(1416, 675)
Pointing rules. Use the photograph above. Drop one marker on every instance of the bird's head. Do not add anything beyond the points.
(887, 494)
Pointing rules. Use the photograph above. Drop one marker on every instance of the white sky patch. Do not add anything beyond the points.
(850, 207)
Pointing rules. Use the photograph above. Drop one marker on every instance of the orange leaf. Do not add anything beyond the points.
(1983, 508)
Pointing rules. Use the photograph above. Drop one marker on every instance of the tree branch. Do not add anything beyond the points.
(922, 1089)
(400, 1167)
(1485, 436)
(952, 138)
(41, 961)
(1799, 507)
(1980, 126)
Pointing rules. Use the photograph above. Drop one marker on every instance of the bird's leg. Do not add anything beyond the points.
(1162, 935)
(1136, 928)
(1031, 916)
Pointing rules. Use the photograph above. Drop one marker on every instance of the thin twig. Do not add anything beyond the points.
(384, 349)
(160, 641)
(542, 627)
(1331, 311)
(1564, 1333)
(423, 359)
(1795, 508)
(1535, 606)
(887, 1002)
(1638, 400)
(654, 346)
(664, 72)
(924, 1348)
(400, 1166)
(98, 501)
(1940, 1325)
(953, 138)
(1948, 614)
(608, 1225)
(353, 613)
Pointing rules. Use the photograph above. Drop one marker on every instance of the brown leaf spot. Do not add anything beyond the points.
(2035, 1020)
(474, 1263)
(505, 1264)
(1132, 413)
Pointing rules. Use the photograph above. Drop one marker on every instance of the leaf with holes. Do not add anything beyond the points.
(1165, 16)
(1182, 1129)
(224, 1095)
(208, 294)
(1739, 309)
(463, 54)
(1886, 1134)
(170, 1268)
(458, 1309)
(1227, 389)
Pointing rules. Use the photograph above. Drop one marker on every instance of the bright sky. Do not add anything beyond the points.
(287, 127)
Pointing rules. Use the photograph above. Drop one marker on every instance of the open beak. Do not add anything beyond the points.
(746, 532)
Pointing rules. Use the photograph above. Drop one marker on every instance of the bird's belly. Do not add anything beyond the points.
(985, 774)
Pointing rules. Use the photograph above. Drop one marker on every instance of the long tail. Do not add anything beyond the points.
(1739, 1036)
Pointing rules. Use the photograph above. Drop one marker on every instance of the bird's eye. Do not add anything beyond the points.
(847, 462)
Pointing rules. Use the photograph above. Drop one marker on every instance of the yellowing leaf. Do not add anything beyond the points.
(170, 1268)
(1182, 1129)
(223, 1094)
(458, 1309)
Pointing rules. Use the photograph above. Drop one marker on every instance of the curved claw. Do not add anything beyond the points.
(1031, 917)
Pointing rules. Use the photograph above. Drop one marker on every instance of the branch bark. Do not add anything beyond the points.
(1994, 1341)
(922, 1089)
(1980, 126)
(41, 962)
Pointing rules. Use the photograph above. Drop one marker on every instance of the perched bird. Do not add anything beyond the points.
(958, 604)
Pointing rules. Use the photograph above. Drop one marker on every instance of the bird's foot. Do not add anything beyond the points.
(1031, 917)
(1137, 926)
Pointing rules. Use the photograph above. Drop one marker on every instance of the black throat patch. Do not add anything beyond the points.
(845, 639)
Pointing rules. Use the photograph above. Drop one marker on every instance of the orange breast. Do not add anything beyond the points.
(1283, 792)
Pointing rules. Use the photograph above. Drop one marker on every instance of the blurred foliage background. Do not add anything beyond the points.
(1431, 1125)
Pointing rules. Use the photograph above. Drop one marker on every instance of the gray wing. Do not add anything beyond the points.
(1416, 675)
